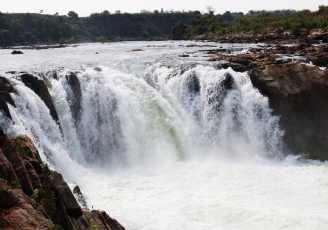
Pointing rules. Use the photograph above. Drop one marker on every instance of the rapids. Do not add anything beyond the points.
(164, 142)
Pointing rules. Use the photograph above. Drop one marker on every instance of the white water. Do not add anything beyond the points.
(162, 144)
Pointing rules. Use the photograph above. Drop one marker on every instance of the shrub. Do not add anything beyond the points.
(16, 184)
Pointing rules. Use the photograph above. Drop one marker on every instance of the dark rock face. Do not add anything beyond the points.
(79, 196)
(299, 93)
(69, 214)
(5, 85)
(40, 88)
(4, 106)
(17, 52)
(6, 169)
(8, 98)
(75, 102)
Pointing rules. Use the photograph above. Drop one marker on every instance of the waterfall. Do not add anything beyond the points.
(170, 114)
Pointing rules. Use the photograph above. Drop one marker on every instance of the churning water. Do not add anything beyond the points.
(164, 142)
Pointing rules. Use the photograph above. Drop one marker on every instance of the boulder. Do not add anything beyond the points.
(75, 100)
(299, 94)
(40, 88)
(17, 52)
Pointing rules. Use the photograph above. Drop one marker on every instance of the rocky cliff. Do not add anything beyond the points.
(297, 92)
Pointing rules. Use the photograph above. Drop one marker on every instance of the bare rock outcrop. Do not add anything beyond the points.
(40, 88)
(299, 94)
(103, 221)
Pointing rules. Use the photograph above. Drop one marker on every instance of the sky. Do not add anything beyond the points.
(86, 7)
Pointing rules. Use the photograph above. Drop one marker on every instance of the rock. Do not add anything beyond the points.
(40, 88)
(103, 221)
(26, 215)
(5, 85)
(137, 50)
(7, 198)
(27, 145)
(320, 57)
(79, 196)
(8, 98)
(4, 106)
(34, 177)
(184, 55)
(17, 52)
(68, 212)
(75, 100)
(17, 164)
(6, 169)
(299, 94)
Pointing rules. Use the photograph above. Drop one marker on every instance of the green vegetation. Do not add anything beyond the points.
(48, 196)
(16, 184)
(29, 29)
(57, 227)
(93, 227)
(7, 153)
(22, 152)
(258, 21)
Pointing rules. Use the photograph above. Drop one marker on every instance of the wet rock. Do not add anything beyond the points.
(75, 102)
(299, 94)
(5, 85)
(8, 98)
(79, 196)
(17, 52)
(28, 214)
(103, 221)
(4, 106)
(40, 88)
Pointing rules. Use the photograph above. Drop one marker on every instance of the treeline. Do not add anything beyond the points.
(257, 21)
(29, 29)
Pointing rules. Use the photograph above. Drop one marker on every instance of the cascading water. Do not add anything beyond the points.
(178, 145)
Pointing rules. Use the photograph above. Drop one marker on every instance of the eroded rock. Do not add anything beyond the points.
(299, 94)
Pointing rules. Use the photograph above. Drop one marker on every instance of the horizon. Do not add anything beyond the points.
(85, 9)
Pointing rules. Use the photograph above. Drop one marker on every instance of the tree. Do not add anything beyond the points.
(73, 16)
(210, 9)
(227, 16)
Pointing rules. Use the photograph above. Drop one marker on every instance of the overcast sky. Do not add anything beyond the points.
(86, 7)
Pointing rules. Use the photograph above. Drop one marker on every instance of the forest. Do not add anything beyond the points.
(30, 29)
(257, 21)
